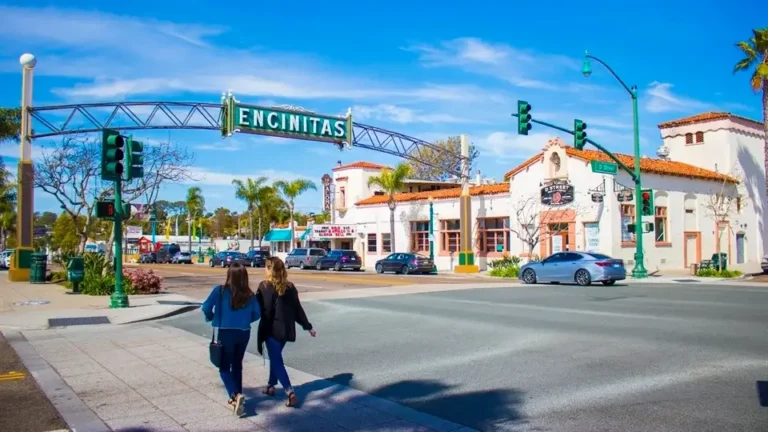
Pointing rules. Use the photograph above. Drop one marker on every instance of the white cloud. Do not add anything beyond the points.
(13, 152)
(165, 58)
(515, 66)
(224, 145)
(511, 146)
(403, 115)
(214, 178)
(660, 99)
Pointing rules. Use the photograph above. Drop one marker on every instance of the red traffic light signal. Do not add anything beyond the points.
(646, 195)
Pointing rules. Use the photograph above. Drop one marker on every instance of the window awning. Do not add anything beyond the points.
(278, 235)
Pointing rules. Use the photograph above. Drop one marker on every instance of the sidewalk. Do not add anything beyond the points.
(30, 306)
(159, 378)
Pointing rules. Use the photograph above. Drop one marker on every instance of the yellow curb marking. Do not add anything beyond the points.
(12, 376)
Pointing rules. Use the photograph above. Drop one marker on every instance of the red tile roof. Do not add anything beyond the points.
(703, 118)
(361, 164)
(491, 189)
(656, 166)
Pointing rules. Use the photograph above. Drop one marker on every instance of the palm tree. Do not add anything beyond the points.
(291, 190)
(10, 124)
(755, 51)
(249, 191)
(195, 205)
(392, 182)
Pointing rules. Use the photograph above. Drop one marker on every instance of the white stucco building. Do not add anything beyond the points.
(554, 201)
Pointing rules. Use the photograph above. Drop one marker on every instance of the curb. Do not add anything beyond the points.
(74, 411)
(178, 311)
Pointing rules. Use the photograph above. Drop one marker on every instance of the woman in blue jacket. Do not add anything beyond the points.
(232, 308)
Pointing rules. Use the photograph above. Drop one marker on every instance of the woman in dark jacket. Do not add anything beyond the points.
(280, 311)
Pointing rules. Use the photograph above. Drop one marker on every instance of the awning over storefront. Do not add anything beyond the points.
(278, 235)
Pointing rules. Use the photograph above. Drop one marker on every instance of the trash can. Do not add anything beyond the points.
(694, 269)
(39, 266)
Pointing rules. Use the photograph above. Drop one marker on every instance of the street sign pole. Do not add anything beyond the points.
(118, 299)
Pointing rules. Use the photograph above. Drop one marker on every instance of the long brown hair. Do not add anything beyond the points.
(239, 288)
(278, 276)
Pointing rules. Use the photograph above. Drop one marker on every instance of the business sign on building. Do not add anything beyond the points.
(333, 231)
(133, 232)
(557, 193)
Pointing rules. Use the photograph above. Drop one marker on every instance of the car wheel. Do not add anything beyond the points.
(318, 266)
(253, 264)
(337, 267)
(223, 264)
(301, 265)
(529, 276)
(210, 263)
(379, 269)
(404, 270)
(609, 282)
(582, 278)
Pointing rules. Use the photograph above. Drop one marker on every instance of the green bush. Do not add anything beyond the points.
(714, 273)
(507, 267)
(63, 258)
(505, 272)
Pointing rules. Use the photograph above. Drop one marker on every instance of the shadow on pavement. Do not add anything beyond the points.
(482, 410)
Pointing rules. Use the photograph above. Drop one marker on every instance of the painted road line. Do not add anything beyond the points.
(12, 376)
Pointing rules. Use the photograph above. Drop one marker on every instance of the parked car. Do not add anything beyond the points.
(148, 258)
(304, 257)
(5, 258)
(582, 268)
(764, 264)
(182, 258)
(405, 263)
(165, 254)
(257, 258)
(340, 259)
(227, 258)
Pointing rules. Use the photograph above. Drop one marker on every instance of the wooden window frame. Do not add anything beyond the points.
(375, 244)
(386, 243)
(419, 238)
(689, 138)
(628, 210)
(661, 213)
(699, 137)
(484, 233)
(449, 237)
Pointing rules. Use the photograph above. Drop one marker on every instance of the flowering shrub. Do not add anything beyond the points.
(143, 281)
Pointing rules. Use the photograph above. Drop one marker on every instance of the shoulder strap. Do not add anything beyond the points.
(219, 311)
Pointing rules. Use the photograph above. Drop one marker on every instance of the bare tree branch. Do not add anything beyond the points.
(726, 202)
(528, 221)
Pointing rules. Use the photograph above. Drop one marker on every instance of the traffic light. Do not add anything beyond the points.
(134, 159)
(111, 155)
(579, 134)
(631, 228)
(646, 207)
(105, 209)
(523, 117)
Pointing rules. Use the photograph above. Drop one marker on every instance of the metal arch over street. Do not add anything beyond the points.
(158, 115)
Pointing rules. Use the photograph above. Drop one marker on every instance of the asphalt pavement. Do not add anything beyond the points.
(23, 405)
(631, 358)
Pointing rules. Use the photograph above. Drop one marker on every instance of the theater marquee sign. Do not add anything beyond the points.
(333, 231)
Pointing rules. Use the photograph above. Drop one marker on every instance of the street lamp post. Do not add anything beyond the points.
(639, 270)
(432, 234)
(200, 259)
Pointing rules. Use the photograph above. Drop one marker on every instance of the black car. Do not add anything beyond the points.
(405, 263)
(148, 258)
(227, 258)
(165, 254)
(257, 258)
(340, 259)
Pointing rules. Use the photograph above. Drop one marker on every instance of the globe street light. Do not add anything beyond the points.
(639, 270)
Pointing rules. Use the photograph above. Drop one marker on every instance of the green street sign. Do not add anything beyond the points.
(604, 167)
(287, 123)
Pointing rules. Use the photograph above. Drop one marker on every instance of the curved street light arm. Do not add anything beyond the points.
(626, 87)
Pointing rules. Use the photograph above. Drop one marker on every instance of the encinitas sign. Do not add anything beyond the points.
(285, 122)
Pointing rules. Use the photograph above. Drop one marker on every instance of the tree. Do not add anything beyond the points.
(445, 160)
(724, 203)
(70, 171)
(65, 236)
(10, 124)
(528, 223)
(251, 191)
(290, 191)
(755, 51)
(392, 182)
(7, 206)
(195, 207)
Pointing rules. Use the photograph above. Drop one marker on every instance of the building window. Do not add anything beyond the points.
(372, 245)
(699, 137)
(420, 236)
(660, 225)
(450, 231)
(494, 232)
(342, 198)
(627, 217)
(688, 138)
(386, 243)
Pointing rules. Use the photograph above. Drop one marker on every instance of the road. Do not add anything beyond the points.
(632, 358)
(23, 406)
(195, 281)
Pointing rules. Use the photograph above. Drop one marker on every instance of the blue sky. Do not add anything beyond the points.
(421, 68)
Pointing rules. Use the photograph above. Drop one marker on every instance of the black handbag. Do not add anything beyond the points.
(215, 349)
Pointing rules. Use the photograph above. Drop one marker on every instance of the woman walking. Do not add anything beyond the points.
(281, 309)
(232, 308)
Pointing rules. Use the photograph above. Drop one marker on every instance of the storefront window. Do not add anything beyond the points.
(627, 217)
(660, 227)
(386, 243)
(494, 232)
(450, 232)
(372, 244)
(420, 236)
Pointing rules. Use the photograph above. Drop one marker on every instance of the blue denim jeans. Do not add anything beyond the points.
(277, 370)
(234, 342)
